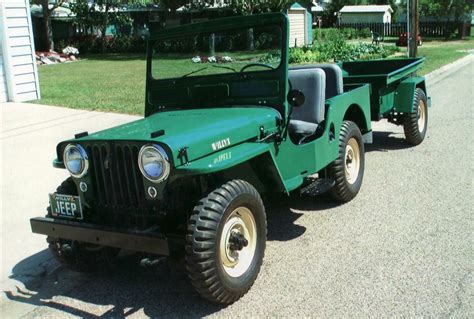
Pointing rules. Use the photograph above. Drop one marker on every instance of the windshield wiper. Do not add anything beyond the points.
(225, 67)
(196, 71)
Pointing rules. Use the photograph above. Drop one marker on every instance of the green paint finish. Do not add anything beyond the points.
(384, 77)
(405, 93)
(224, 159)
(201, 131)
(221, 120)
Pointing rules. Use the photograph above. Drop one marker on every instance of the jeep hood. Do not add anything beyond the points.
(200, 131)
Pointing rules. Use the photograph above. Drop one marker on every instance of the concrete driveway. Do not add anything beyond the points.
(403, 247)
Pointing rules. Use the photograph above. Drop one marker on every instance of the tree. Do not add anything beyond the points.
(447, 10)
(173, 5)
(100, 14)
(47, 12)
(247, 7)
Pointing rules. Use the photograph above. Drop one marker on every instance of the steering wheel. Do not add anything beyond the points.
(256, 64)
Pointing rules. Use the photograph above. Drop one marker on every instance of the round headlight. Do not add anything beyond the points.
(75, 160)
(153, 163)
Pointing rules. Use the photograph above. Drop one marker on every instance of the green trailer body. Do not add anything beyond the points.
(187, 178)
(392, 83)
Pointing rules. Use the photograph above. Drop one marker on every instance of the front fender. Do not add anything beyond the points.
(263, 168)
(224, 159)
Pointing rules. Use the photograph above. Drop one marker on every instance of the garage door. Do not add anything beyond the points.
(297, 27)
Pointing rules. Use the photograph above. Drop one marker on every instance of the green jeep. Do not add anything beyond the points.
(226, 120)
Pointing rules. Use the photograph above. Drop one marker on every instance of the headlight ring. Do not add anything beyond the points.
(153, 163)
(76, 160)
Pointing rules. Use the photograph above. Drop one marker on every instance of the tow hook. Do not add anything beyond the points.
(151, 262)
(66, 248)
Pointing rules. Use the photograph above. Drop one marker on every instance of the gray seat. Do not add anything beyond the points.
(334, 82)
(312, 82)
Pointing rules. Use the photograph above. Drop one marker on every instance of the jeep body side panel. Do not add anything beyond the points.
(294, 162)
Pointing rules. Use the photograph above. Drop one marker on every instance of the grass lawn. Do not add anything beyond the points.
(109, 82)
(440, 52)
(116, 83)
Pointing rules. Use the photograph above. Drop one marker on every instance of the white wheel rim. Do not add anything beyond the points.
(237, 261)
(352, 160)
(421, 116)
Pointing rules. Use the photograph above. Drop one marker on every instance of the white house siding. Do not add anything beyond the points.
(19, 65)
(3, 78)
(297, 27)
(364, 17)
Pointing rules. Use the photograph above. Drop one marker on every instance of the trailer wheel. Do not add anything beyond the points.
(77, 256)
(348, 169)
(225, 242)
(415, 124)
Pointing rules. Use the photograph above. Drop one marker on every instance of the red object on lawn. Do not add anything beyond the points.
(403, 40)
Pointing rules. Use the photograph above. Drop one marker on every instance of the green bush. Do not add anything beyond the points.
(305, 55)
(346, 33)
(339, 50)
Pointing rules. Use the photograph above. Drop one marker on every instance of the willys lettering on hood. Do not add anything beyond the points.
(200, 131)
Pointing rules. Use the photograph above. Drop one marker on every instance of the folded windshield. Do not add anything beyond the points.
(229, 51)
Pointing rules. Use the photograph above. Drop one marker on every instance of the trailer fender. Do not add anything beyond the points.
(405, 94)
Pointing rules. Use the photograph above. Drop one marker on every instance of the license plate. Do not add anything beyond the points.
(65, 206)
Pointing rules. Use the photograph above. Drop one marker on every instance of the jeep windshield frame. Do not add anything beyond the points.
(210, 85)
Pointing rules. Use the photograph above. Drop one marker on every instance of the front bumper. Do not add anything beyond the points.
(93, 234)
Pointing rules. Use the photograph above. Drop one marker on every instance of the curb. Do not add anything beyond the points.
(446, 70)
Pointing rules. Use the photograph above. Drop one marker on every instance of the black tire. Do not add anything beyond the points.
(207, 224)
(414, 134)
(346, 189)
(78, 256)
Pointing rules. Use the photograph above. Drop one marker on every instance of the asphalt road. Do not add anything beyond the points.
(403, 247)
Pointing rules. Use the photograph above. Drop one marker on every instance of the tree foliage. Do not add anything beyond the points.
(47, 29)
(447, 10)
(246, 7)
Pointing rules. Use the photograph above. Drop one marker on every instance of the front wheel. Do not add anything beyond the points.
(225, 242)
(415, 124)
(348, 169)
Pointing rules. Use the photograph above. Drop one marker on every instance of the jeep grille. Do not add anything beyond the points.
(118, 186)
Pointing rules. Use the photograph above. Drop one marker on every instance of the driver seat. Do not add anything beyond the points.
(306, 118)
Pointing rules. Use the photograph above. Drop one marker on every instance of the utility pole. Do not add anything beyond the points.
(413, 17)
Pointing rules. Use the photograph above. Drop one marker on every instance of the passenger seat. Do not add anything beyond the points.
(334, 79)
(312, 82)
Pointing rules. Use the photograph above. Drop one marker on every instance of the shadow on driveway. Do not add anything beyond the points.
(387, 141)
(163, 291)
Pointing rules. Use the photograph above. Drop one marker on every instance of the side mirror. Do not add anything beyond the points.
(296, 98)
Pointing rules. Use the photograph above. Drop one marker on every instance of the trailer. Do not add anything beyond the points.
(396, 92)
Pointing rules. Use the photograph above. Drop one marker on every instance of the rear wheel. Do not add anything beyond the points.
(75, 255)
(415, 124)
(225, 242)
(348, 169)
